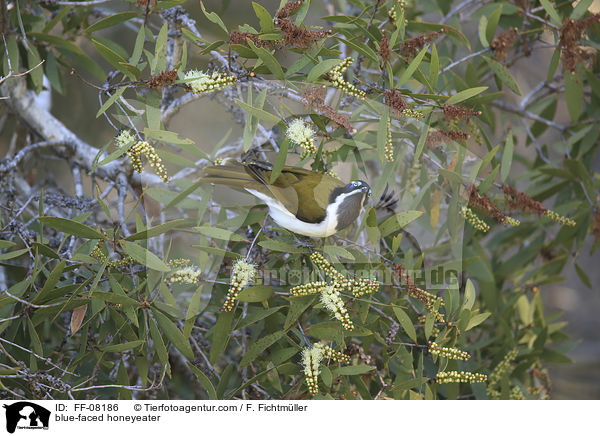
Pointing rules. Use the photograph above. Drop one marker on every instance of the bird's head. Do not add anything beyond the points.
(350, 200)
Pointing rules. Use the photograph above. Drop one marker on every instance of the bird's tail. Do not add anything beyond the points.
(230, 173)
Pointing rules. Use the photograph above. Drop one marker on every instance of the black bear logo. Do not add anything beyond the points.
(30, 413)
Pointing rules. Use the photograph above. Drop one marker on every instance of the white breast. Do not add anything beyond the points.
(288, 220)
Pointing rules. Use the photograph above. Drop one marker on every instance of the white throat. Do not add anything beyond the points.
(288, 220)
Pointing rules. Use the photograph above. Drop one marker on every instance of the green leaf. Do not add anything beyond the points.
(581, 8)
(574, 94)
(399, 221)
(466, 94)
(71, 227)
(507, 157)
(119, 348)
(214, 18)
(585, 279)
(553, 64)
(159, 345)
(280, 161)
(109, 102)
(274, 245)
(503, 74)
(333, 250)
(297, 308)
(405, 322)
(259, 347)
(52, 280)
(115, 59)
(220, 335)
(111, 20)
(256, 316)
(361, 48)
(470, 295)
(144, 256)
(139, 46)
(166, 136)
(554, 17)
(434, 68)
(36, 343)
(483, 24)
(258, 113)
(353, 370)
(268, 59)
(120, 151)
(218, 233)
(265, 19)
(255, 294)
(6, 244)
(490, 29)
(158, 230)
(422, 138)
(412, 67)
(204, 381)
(475, 320)
(13, 254)
(174, 334)
(321, 68)
(115, 298)
(554, 356)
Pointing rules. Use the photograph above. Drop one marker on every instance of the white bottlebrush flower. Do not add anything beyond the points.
(330, 298)
(243, 272)
(298, 132)
(311, 359)
(187, 275)
(124, 139)
(202, 82)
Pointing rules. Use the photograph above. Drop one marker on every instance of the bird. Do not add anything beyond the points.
(302, 201)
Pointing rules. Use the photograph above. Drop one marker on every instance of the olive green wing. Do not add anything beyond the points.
(312, 187)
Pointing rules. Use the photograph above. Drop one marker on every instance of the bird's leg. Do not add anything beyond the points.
(304, 241)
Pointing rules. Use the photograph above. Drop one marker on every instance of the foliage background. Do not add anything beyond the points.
(77, 107)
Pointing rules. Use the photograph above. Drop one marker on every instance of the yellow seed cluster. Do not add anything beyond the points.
(392, 11)
(511, 221)
(144, 148)
(330, 298)
(311, 358)
(473, 219)
(516, 394)
(411, 113)
(559, 218)
(389, 148)
(501, 370)
(449, 352)
(178, 263)
(435, 330)
(363, 287)
(330, 292)
(326, 267)
(330, 353)
(333, 174)
(187, 275)
(97, 254)
(243, 272)
(336, 77)
(459, 376)
(308, 288)
(201, 82)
